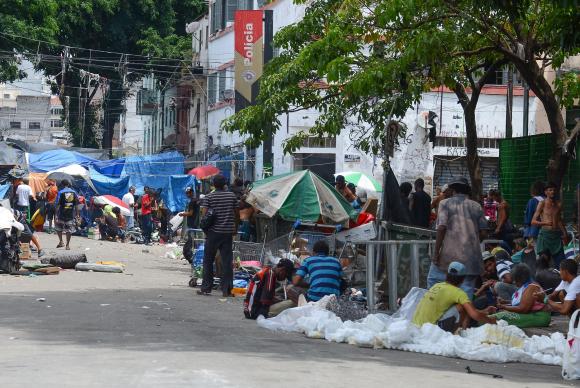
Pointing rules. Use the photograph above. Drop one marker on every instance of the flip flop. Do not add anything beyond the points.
(60, 245)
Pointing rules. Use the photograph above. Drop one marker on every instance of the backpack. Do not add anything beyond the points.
(208, 220)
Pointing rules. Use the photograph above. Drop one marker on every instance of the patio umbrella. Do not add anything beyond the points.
(114, 202)
(300, 195)
(204, 172)
(361, 180)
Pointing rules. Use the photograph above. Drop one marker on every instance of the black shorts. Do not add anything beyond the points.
(50, 210)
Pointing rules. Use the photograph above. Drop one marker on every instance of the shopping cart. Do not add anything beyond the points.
(195, 244)
(300, 240)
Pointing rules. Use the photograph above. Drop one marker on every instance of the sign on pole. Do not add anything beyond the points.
(249, 56)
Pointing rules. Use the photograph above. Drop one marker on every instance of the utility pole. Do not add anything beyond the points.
(526, 107)
(123, 123)
(62, 87)
(509, 103)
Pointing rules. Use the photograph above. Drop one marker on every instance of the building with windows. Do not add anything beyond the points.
(415, 156)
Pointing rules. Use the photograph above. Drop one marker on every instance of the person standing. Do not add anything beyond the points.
(129, 200)
(548, 216)
(537, 191)
(223, 206)
(66, 213)
(23, 195)
(420, 205)
(504, 227)
(460, 225)
(51, 194)
(146, 214)
(191, 215)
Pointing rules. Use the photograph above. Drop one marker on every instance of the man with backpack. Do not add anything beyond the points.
(66, 213)
(218, 214)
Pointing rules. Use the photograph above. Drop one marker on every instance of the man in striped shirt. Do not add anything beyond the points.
(224, 205)
(324, 273)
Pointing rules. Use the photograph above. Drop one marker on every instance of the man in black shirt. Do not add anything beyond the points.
(191, 215)
(420, 205)
(219, 235)
(66, 213)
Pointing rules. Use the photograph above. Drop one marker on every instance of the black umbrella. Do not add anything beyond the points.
(60, 176)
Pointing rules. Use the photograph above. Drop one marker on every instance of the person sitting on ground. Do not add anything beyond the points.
(527, 308)
(260, 297)
(565, 299)
(122, 223)
(28, 233)
(324, 273)
(448, 306)
(109, 226)
(548, 278)
(498, 279)
(519, 245)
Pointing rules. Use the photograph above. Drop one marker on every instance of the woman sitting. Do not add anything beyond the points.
(527, 308)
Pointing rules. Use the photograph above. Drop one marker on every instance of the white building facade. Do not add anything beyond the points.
(415, 156)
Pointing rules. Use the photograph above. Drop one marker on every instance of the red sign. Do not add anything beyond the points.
(249, 54)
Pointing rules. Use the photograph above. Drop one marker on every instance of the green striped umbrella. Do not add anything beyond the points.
(300, 195)
(361, 180)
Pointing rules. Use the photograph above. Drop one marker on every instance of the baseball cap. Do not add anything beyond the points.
(459, 182)
(486, 255)
(456, 268)
(188, 189)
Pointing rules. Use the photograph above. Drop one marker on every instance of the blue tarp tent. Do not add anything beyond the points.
(109, 185)
(145, 170)
(111, 168)
(54, 159)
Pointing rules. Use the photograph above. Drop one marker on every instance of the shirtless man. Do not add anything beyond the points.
(548, 217)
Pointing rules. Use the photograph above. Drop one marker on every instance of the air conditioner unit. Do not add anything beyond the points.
(228, 94)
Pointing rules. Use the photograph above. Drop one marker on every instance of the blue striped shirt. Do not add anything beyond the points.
(325, 272)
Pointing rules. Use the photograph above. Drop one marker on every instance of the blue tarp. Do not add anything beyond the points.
(148, 168)
(4, 189)
(54, 159)
(110, 168)
(109, 185)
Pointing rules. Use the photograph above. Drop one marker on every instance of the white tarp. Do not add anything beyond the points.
(491, 343)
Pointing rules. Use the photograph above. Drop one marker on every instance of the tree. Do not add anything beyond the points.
(111, 38)
(33, 19)
(356, 59)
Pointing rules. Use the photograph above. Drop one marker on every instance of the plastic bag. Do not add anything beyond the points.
(571, 362)
(410, 302)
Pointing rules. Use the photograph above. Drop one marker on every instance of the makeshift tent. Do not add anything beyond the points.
(109, 185)
(152, 170)
(110, 168)
(34, 147)
(55, 159)
(10, 156)
(76, 170)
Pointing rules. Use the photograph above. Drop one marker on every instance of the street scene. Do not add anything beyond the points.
(231, 193)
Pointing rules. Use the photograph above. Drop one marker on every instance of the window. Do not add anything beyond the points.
(223, 12)
(34, 125)
(222, 84)
(7, 96)
(482, 142)
(501, 77)
(319, 142)
(56, 111)
(15, 125)
(55, 123)
(212, 88)
(200, 39)
(206, 35)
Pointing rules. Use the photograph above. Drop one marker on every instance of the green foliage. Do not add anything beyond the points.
(33, 19)
(358, 62)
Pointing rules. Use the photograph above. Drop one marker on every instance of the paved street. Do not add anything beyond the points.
(146, 328)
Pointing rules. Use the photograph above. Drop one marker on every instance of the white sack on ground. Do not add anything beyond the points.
(491, 343)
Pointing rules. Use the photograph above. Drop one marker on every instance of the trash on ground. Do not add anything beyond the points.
(99, 267)
(41, 300)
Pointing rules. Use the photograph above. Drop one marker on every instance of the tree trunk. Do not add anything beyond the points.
(559, 162)
(473, 162)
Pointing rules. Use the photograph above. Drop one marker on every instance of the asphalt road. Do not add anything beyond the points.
(146, 328)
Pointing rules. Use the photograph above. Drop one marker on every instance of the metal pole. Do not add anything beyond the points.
(414, 265)
(509, 103)
(392, 264)
(526, 107)
(371, 278)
